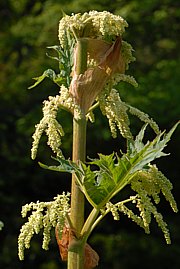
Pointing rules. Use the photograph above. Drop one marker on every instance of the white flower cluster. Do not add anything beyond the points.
(116, 78)
(103, 25)
(130, 214)
(108, 24)
(115, 111)
(126, 51)
(45, 215)
(165, 186)
(143, 117)
(120, 207)
(49, 123)
(114, 210)
(66, 101)
(147, 184)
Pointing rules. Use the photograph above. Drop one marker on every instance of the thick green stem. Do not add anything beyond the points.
(76, 254)
(81, 59)
(77, 197)
(76, 251)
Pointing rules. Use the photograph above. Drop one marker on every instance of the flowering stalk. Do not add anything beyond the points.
(75, 254)
(93, 59)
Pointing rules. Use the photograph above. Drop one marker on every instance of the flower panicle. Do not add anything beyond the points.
(165, 186)
(144, 117)
(45, 215)
(49, 123)
(101, 25)
(116, 112)
(127, 51)
(148, 184)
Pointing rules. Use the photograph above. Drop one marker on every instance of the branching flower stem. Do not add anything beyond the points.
(89, 224)
(93, 59)
(93, 107)
(75, 254)
(93, 219)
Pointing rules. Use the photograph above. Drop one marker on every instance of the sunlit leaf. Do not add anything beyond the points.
(49, 73)
(64, 166)
(114, 172)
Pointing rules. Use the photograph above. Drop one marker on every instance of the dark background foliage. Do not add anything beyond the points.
(27, 27)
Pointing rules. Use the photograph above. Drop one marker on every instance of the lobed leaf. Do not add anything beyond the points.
(114, 172)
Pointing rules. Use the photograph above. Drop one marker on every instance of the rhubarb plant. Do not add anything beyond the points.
(93, 60)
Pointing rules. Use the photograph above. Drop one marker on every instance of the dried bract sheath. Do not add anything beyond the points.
(108, 58)
(91, 258)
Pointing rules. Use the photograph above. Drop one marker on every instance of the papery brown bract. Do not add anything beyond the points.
(63, 243)
(108, 57)
(91, 257)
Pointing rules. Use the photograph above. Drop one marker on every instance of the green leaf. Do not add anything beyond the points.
(64, 166)
(49, 73)
(65, 59)
(99, 185)
(140, 155)
(114, 172)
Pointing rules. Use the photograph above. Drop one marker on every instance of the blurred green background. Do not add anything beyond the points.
(27, 27)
